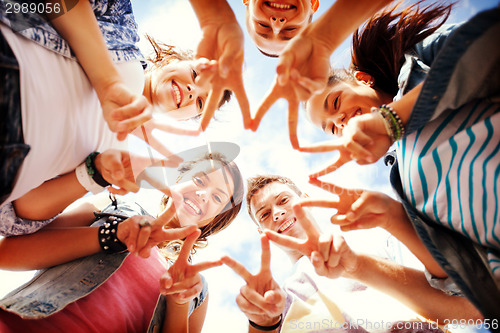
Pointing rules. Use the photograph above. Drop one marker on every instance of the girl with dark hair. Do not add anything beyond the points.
(208, 196)
(432, 92)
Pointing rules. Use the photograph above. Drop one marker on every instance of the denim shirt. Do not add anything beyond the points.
(115, 19)
(53, 288)
(470, 48)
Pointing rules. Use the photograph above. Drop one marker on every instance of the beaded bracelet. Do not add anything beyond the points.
(393, 124)
(92, 170)
(108, 240)
(266, 328)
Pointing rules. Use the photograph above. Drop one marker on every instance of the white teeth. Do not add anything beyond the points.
(177, 93)
(357, 113)
(287, 224)
(193, 206)
(279, 5)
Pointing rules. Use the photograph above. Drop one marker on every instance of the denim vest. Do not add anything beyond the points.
(445, 87)
(114, 17)
(53, 288)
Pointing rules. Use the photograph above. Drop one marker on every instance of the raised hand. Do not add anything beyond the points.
(141, 233)
(122, 110)
(358, 209)
(261, 299)
(223, 41)
(182, 281)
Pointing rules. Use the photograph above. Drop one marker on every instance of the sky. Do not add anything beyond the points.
(267, 151)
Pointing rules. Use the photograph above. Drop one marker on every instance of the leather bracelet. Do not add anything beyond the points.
(108, 240)
(92, 170)
(266, 328)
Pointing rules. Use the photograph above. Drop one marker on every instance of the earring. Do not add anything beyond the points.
(178, 179)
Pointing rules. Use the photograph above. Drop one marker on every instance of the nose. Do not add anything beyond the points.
(340, 120)
(202, 195)
(277, 23)
(278, 213)
(190, 91)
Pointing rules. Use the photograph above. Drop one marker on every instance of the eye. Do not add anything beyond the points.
(263, 25)
(198, 181)
(217, 198)
(290, 29)
(199, 102)
(194, 74)
(284, 200)
(264, 216)
(336, 103)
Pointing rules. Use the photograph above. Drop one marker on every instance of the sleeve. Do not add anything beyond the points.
(460, 69)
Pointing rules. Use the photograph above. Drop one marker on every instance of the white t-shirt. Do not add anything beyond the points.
(62, 116)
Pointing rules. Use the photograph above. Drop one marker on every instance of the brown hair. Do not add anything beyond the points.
(229, 212)
(164, 54)
(257, 182)
(378, 49)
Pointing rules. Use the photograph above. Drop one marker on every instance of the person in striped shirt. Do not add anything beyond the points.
(440, 84)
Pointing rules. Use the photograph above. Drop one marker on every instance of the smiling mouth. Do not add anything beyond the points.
(193, 206)
(286, 225)
(176, 94)
(279, 6)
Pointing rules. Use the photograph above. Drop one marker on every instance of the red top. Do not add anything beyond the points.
(124, 303)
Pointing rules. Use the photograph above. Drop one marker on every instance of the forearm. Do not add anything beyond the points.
(176, 318)
(212, 11)
(50, 198)
(410, 287)
(342, 18)
(80, 29)
(404, 106)
(47, 248)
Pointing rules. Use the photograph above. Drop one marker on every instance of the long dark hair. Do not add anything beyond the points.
(378, 49)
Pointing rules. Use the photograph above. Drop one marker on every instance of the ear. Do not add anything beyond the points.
(364, 78)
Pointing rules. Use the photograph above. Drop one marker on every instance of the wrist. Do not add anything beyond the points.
(268, 325)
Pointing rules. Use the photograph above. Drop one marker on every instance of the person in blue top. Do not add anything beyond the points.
(432, 92)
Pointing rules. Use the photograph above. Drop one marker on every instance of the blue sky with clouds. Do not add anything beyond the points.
(266, 151)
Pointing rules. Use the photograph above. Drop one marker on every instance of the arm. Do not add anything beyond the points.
(410, 287)
(80, 29)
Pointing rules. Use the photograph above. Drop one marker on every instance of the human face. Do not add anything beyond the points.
(271, 207)
(271, 24)
(175, 89)
(337, 104)
(202, 194)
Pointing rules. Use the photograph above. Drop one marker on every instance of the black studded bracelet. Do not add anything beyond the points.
(108, 240)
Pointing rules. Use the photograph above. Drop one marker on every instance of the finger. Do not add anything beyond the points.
(206, 265)
(178, 233)
(190, 293)
(319, 203)
(324, 245)
(340, 220)
(322, 147)
(166, 281)
(170, 125)
(211, 105)
(312, 86)
(187, 246)
(285, 63)
(255, 298)
(311, 231)
(248, 308)
(138, 107)
(330, 187)
(167, 214)
(293, 110)
(238, 268)
(341, 160)
(265, 257)
(265, 105)
(241, 96)
(287, 241)
(319, 263)
(126, 185)
(143, 237)
(182, 283)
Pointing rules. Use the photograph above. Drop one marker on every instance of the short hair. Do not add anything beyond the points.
(257, 182)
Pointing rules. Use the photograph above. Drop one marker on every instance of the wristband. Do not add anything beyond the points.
(108, 240)
(266, 328)
(92, 170)
(393, 124)
(86, 180)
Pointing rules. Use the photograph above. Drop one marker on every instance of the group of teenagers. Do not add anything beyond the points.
(75, 86)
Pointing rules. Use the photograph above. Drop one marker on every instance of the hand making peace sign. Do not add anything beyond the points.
(261, 300)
